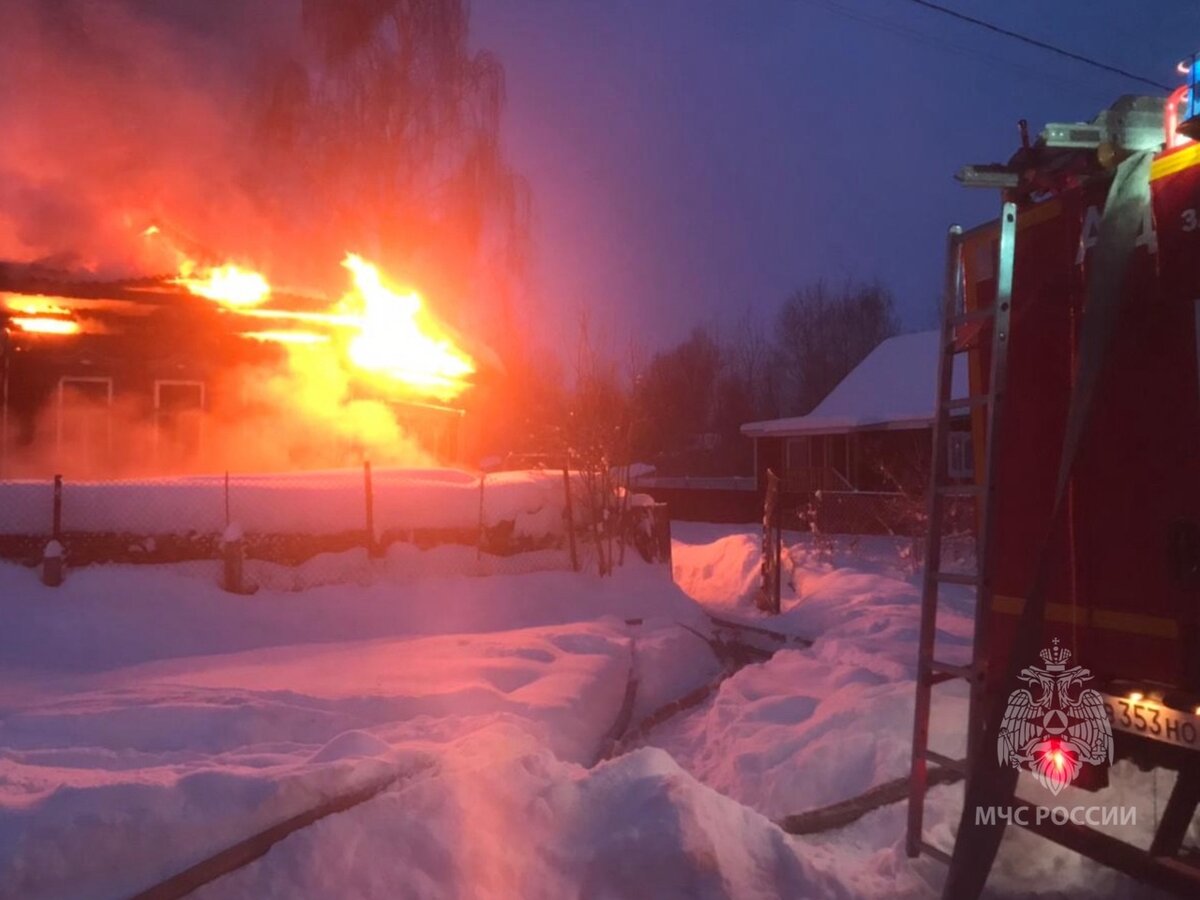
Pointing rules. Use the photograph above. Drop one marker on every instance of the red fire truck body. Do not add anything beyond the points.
(1124, 593)
(1079, 311)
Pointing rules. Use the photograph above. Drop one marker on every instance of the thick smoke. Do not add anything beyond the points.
(111, 124)
(278, 133)
(302, 418)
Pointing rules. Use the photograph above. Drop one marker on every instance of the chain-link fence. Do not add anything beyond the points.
(855, 514)
(323, 526)
(27, 519)
(867, 512)
(884, 513)
(298, 530)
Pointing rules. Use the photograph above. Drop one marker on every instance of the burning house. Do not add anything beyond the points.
(149, 148)
(212, 369)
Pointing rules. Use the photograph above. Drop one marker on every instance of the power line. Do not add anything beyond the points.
(1034, 42)
(948, 45)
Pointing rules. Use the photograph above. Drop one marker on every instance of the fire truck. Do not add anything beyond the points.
(1079, 313)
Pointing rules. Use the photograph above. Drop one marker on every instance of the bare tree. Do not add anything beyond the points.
(595, 441)
(676, 394)
(823, 332)
(691, 400)
(391, 123)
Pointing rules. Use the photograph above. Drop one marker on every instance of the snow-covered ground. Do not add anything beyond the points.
(149, 720)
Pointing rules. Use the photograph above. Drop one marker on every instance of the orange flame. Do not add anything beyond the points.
(397, 338)
(45, 325)
(382, 332)
(34, 305)
(229, 285)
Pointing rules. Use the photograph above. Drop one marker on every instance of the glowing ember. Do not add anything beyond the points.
(398, 339)
(35, 305)
(45, 325)
(229, 285)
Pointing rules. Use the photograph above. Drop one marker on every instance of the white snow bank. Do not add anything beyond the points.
(148, 719)
(799, 732)
(725, 573)
(858, 596)
(107, 617)
(503, 818)
(814, 727)
(107, 788)
(671, 662)
(401, 563)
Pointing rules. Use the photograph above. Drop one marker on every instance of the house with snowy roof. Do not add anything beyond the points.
(872, 433)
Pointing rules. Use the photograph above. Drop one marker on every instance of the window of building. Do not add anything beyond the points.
(178, 421)
(83, 423)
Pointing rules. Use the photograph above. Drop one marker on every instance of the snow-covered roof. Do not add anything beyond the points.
(893, 388)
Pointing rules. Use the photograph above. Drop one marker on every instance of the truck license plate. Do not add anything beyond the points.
(1154, 721)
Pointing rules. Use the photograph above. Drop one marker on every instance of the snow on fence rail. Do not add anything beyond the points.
(285, 516)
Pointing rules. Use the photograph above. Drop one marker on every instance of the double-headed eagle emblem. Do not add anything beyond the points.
(1056, 726)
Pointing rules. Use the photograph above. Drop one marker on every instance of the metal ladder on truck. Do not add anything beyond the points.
(943, 489)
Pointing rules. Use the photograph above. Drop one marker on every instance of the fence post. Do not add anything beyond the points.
(53, 552)
(52, 564)
(660, 518)
(570, 514)
(233, 557)
(56, 526)
(772, 547)
(369, 493)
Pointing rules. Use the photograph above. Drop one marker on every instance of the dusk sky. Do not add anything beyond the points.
(690, 159)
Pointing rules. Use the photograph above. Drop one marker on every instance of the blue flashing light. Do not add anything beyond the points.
(1193, 95)
(1183, 117)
